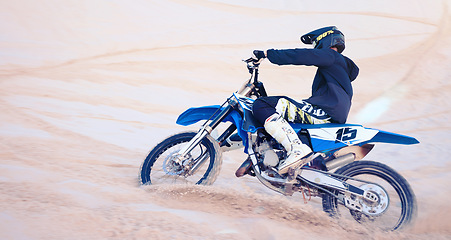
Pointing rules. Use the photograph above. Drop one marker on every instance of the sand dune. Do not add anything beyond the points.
(89, 87)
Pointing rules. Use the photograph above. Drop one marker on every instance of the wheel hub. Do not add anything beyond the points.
(171, 165)
(375, 200)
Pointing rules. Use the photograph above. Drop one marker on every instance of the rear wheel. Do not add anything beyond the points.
(396, 203)
(200, 166)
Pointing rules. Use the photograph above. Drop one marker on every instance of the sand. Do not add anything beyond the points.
(89, 87)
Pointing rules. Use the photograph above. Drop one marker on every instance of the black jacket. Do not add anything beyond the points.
(331, 89)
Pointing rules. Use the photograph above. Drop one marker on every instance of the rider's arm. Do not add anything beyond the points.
(301, 56)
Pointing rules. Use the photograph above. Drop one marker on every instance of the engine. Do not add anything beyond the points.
(269, 151)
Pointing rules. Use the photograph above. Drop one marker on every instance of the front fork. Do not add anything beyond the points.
(245, 90)
(204, 131)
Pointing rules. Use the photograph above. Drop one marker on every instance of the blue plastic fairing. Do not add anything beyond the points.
(194, 115)
(388, 137)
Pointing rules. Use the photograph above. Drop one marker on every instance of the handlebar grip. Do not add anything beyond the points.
(249, 60)
(253, 60)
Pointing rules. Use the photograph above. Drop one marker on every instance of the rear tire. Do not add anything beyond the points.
(158, 168)
(402, 208)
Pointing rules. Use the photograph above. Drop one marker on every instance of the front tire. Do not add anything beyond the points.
(159, 168)
(401, 209)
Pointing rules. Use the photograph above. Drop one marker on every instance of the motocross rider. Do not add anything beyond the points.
(331, 92)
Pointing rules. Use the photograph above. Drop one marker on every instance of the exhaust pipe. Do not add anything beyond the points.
(340, 161)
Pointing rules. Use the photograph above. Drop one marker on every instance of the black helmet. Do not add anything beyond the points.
(325, 37)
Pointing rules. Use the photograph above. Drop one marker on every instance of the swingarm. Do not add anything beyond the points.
(369, 198)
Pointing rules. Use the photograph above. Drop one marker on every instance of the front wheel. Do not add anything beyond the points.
(200, 166)
(396, 206)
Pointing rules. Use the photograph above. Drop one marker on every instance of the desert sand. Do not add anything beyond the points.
(89, 87)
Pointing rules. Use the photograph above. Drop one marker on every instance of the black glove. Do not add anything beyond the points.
(258, 54)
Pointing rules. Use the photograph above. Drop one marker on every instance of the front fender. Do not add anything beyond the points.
(196, 114)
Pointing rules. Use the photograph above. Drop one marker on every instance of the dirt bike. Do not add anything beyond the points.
(367, 191)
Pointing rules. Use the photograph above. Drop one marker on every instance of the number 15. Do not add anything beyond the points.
(345, 134)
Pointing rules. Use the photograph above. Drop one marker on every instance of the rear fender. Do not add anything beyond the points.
(388, 137)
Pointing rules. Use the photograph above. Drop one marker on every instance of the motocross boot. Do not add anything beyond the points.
(283, 133)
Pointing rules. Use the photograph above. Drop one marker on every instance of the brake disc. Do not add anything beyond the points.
(375, 200)
(170, 166)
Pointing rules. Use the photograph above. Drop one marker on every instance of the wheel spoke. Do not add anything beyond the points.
(392, 202)
(200, 166)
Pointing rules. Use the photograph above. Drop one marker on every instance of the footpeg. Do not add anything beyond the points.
(292, 174)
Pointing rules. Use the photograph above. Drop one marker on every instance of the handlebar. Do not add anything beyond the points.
(253, 83)
(252, 64)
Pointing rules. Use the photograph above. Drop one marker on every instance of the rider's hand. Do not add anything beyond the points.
(258, 54)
